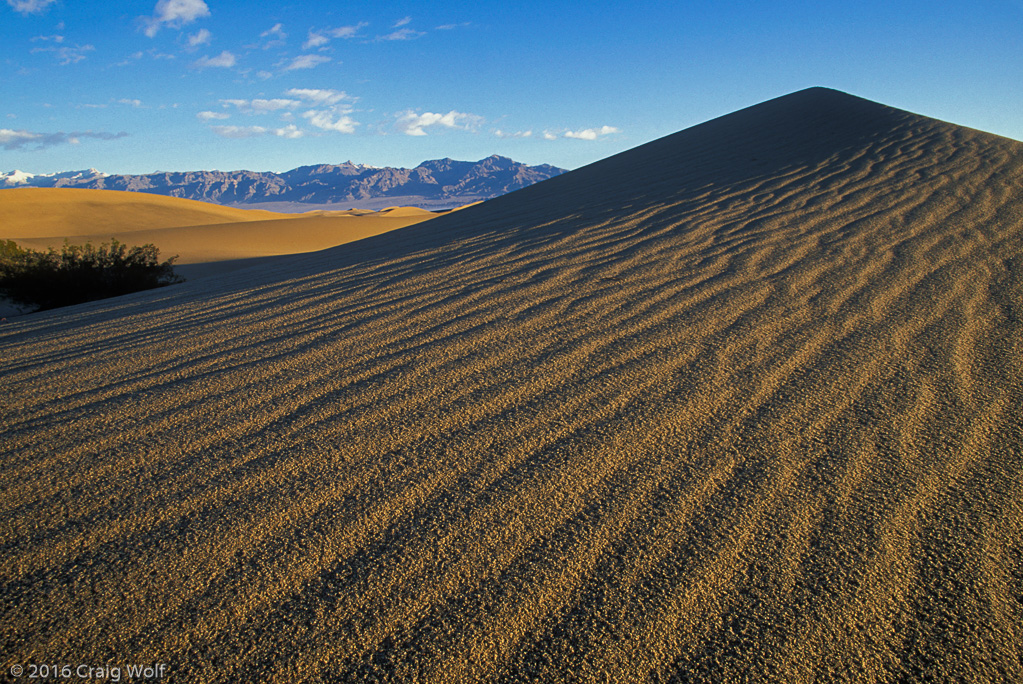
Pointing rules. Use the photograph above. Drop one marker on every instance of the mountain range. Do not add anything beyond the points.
(434, 183)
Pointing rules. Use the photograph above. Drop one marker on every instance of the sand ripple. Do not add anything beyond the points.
(749, 413)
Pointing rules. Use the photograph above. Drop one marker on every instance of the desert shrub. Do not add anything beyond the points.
(80, 273)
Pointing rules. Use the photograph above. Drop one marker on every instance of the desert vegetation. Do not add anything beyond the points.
(80, 273)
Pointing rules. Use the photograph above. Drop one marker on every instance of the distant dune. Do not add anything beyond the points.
(750, 414)
(197, 232)
(55, 212)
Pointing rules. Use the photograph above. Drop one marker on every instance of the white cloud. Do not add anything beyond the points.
(290, 132)
(275, 30)
(402, 34)
(264, 75)
(402, 22)
(547, 135)
(203, 37)
(238, 131)
(131, 58)
(329, 114)
(591, 133)
(273, 105)
(319, 37)
(315, 40)
(67, 55)
(134, 103)
(273, 37)
(17, 140)
(336, 120)
(30, 6)
(224, 60)
(184, 11)
(212, 116)
(449, 27)
(306, 62)
(348, 31)
(260, 106)
(519, 134)
(175, 13)
(319, 96)
(411, 123)
(153, 54)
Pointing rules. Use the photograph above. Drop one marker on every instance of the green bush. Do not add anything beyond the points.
(76, 274)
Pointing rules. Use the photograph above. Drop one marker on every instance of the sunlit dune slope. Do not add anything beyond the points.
(247, 239)
(741, 404)
(58, 212)
(194, 232)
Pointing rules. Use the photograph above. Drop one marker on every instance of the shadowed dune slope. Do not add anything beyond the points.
(741, 404)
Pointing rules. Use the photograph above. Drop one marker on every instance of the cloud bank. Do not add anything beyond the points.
(21, 140)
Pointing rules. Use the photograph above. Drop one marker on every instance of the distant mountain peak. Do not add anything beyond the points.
(434, 182)
(19, 178)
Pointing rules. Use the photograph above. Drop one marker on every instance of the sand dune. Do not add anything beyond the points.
(750, 415)
(57, 212)
(247, 239)
(196, 232)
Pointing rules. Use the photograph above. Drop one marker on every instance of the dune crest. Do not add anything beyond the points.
(749, 414)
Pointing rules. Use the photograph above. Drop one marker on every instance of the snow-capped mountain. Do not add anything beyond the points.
(17, 178)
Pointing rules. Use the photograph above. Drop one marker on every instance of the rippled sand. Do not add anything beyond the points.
(740, 404)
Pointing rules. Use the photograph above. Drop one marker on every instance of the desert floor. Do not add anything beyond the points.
(741, 404)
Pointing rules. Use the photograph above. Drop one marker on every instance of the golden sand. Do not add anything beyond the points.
(57, 212)
(195, 232)
(246, 239)
(742, 404)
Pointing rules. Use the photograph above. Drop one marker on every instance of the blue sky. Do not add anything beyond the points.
(174, 85)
